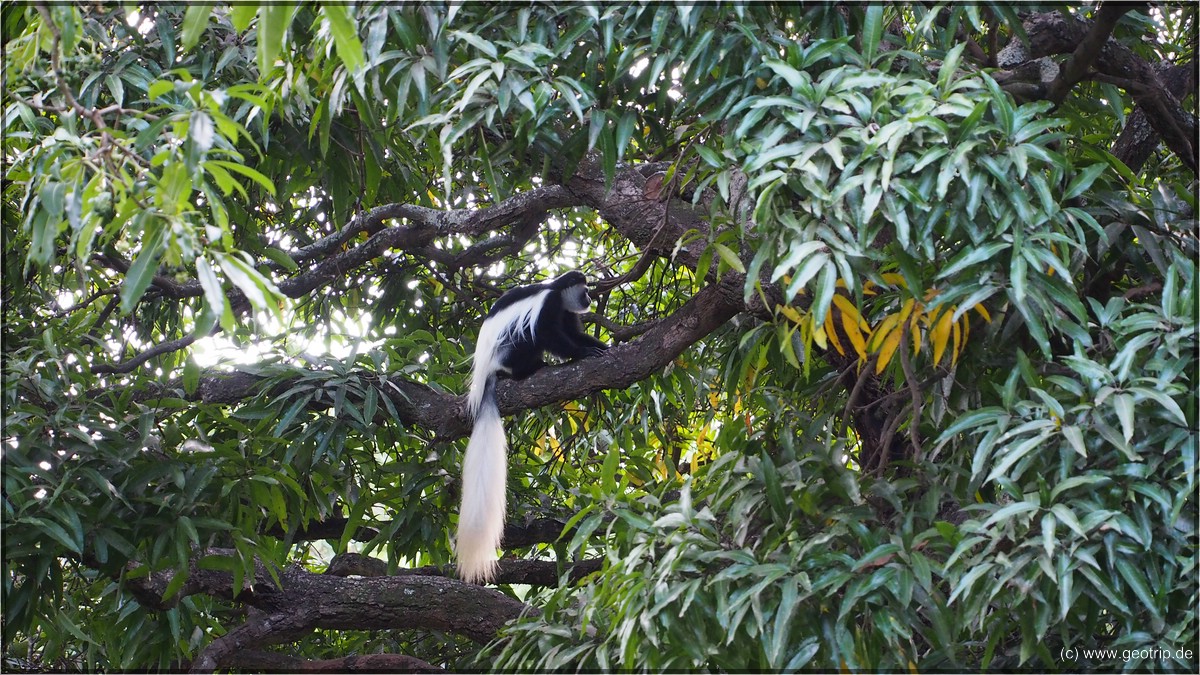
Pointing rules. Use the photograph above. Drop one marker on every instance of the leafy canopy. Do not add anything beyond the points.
(952, 424)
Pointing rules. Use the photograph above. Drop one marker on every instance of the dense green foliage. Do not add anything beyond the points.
(961, 435)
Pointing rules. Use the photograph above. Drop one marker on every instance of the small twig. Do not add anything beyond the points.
(917, 398)
(156, 350)
(85, 302)
(1139, 291)
(885, 443)
(858, 386)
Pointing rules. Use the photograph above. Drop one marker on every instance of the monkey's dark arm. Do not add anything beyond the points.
(572, 342)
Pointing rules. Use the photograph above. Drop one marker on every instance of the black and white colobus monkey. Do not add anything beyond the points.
(523, 323)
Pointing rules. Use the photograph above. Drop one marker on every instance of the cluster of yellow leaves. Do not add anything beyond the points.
(937, 324)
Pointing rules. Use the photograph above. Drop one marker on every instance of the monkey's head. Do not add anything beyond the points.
(573, 286)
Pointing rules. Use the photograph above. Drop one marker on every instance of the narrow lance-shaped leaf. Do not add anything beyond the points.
(194, 22)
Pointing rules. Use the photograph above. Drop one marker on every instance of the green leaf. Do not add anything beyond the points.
(243, 170)
(281, 258)
(872, 32)
(770, 478)
(240, 15)
(972, 256)
(806, 272)
(1083, 180)
(949, 68)
(194, 22)
(970, 578)
(798, 253)
(1010, 455)
(1009, 512)
(56, 532)
(625, 129)
(1165, 401)
(1049, 541)
(793, 77)
(191, 376)
(1123, 403)
(729, 257)
(273, 23)
(826, 286)
(345, 35)
(1067, 517)
(161, 87)
(608, 473)
(1136, 580)
(145, 265)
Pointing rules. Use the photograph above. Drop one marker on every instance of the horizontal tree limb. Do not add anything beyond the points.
(303, 601)
(1053, 33)
(622, 365)
(254, 660)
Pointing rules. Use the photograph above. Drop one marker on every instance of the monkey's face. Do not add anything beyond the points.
(575, 299)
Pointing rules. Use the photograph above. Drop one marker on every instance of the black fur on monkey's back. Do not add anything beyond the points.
(557, 330)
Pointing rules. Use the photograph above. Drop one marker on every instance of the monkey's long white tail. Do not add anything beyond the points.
(481, 515)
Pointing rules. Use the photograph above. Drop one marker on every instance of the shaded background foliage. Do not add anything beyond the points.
(933, 267)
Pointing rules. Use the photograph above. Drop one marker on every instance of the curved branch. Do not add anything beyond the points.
(524, 212)
(1052, 33)
(260, 661)
(133, 363)
(1088, 51)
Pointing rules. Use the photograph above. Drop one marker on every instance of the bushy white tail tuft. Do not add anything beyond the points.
(481, 515)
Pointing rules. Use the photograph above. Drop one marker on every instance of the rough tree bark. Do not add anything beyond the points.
(1095, 54)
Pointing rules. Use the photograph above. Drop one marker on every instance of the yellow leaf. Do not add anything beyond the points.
(895, 279)
(831, 331)
(855, 336)
(890, 343)
(881, 331)
(957, 344)
(869, 288)
(818, 333)
(907, 308)
(983, 312)
(848, 307)
(940, 335)
(790, 312)
(760, 83)
(850, 319)
(659, 465)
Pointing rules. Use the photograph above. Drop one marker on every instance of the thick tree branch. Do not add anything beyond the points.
(421, 406)
(259, 661)
(1052, 34)
(331, 528)
(1076, 67)
(303, 601)
(1138, 139)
